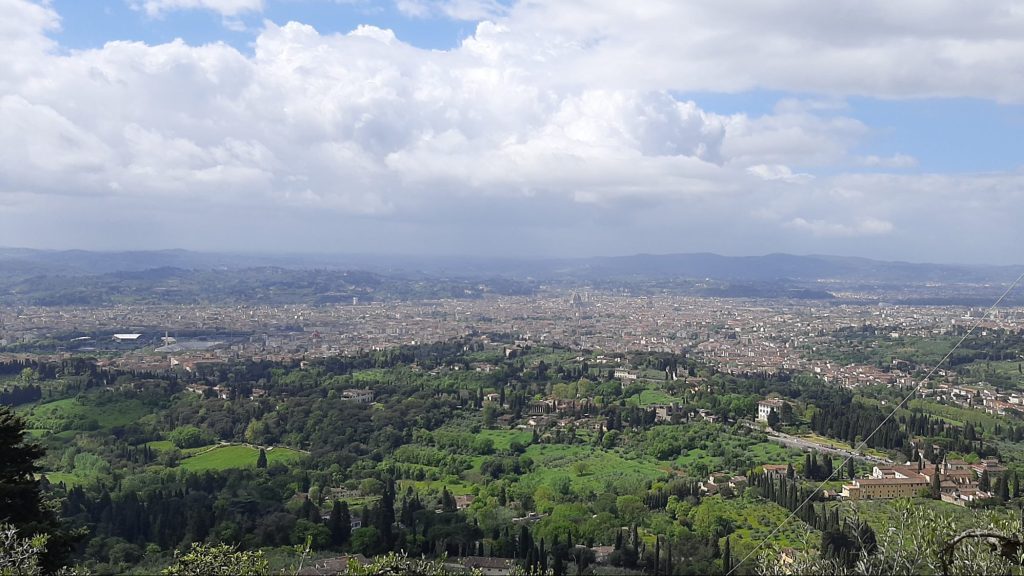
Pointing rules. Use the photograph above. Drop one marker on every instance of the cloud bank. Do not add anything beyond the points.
(553, 128)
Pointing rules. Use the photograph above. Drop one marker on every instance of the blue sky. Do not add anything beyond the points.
(574, 127)
(89, 24)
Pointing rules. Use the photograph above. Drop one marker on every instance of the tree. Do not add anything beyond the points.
(188, 437)
(340, 523)
(928, 541)
(580, 467)
(1003, 488)
(727, 556)
(490, 414)
(851, 471)
(984, 483)
(21, 500)
(393, 563)
(218, 560)
(28, 376)
(261, 460)
(20, 555)
(366, 541)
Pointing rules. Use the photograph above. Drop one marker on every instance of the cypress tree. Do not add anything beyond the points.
(668, 558)
(261, 460)
(340, 524)
(524, 541)
(727, 556)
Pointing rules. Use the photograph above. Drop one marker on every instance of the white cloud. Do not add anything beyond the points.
(940, 48)
(865, 227)
(344, 137)
(778, 172)
(468, 10)
(894, 161)
(155, 8)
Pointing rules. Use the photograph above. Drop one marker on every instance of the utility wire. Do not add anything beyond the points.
(863, 442)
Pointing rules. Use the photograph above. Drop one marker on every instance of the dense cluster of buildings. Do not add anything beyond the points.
(958, 481)
(734, 335)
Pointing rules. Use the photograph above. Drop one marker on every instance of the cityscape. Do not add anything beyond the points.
(511, 287)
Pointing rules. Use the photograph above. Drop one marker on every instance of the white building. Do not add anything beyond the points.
(767, 406)
(361, 395)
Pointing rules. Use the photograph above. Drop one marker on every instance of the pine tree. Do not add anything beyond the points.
(261, 460)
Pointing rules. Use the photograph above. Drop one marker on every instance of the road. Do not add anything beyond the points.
(804, 444)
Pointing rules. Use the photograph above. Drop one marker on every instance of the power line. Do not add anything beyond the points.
(863, 442)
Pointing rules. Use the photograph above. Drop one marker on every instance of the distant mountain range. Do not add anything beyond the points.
(21, 263)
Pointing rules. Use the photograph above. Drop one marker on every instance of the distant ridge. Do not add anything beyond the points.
(24, 263)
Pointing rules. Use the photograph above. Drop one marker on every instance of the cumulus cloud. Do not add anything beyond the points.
(554, 119)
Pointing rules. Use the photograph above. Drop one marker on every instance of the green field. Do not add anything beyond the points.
(552, 462)
(71, 414)
(502, 438)
(1005, 374)
(651, 396)
(69, 480)
(236, 456)
(164, 445)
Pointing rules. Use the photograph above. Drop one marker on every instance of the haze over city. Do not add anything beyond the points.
(518, 128)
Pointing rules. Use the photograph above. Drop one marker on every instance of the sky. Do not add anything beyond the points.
(889, 130)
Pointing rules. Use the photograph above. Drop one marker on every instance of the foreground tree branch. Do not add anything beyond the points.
(1009, 547)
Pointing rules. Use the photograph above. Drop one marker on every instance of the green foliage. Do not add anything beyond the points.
(238, 456)
(188, 437)
(20, 556)
(218, 560)
(915, 547)
(399, 563)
